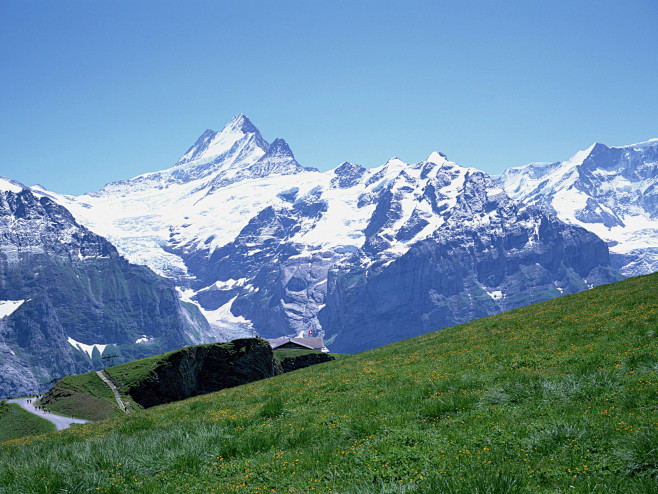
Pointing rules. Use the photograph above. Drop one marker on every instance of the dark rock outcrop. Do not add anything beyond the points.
(204, 369)
(306, 359)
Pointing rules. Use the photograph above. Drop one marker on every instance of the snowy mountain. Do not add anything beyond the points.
(264, 245)
(611, 191)
(67, 297)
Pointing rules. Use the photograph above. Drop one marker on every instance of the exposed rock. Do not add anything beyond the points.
(204, 369)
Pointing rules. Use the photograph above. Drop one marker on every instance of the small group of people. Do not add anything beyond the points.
(33, 400)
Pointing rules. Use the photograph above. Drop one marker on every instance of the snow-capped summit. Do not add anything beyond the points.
(436, 157)
(277, 160)
(347, 175)
(10, 185)
(241, 122)
(611, 191)
(238, 133)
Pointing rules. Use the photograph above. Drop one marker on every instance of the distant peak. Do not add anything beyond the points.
(347, 167)
(212, 144)
(394, 161)
(242, 123)
(590, 153)
(347, 175)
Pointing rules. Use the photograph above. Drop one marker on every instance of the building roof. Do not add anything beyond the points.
(312, 343)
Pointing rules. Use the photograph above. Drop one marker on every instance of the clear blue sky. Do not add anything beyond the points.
(96, 91)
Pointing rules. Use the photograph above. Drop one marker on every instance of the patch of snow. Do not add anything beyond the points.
(88, 349)
(496, 295)
(228, 284)
(8, 307)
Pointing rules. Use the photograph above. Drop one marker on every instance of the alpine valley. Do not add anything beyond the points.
(258, 244)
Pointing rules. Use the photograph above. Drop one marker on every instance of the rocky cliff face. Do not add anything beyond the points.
(451, 279)
(73, 297)
(178, 375)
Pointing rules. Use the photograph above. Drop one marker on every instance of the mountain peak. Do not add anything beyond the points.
(212, 144)
(241, 122)
(277, 160)
(280, 149)
(436, 157)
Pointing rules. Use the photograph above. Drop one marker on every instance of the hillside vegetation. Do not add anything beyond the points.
(16, 422)
(561, 396)
(83, 396)
(173, 376)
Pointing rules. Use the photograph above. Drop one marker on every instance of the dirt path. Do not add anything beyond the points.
(106, 379)
(60, 421)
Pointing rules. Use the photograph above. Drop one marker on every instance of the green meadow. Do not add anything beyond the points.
(16, 422)
(560, 396)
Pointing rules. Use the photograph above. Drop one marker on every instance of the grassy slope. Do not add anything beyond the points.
(87, 396)
(561, 396)
(16, 422)
(84, 396)
(295, 353)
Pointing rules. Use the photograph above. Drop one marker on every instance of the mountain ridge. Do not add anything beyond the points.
(251, 236)
(611, 191)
